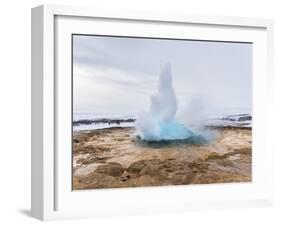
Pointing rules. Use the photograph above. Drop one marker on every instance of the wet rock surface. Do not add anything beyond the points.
(112, 158)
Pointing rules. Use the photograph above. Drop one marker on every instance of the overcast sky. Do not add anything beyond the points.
(118, 75)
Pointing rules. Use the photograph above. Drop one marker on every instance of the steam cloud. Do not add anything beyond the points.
(159, 123)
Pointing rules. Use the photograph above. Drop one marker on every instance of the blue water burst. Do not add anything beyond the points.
(159, 123)
(173, 131)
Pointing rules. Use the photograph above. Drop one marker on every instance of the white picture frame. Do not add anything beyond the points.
(52, 198)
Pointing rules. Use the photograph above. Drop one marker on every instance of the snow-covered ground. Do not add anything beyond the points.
(83, 121)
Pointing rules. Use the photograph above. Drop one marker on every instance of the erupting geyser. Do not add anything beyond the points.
(159, 123)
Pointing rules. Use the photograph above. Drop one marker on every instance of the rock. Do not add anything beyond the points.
(214, 155)
(184, 176)
(95, 180)
(226, 162)
(245, 118)
(207, 178)
(146, 180)
(113, 169)
(188, 177)
(125, 176)
(150, 170)
(199, 166)
(101, 159)
(154, 162)
(173, 165)
(75, 141)
(136, 167)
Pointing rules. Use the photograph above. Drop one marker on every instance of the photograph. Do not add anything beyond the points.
(149, 111)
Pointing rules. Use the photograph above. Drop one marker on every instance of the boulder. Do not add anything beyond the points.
(125, 176)
(150, 170)
(136, 167)
(112, 169)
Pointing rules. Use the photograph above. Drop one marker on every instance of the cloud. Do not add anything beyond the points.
(119, 74)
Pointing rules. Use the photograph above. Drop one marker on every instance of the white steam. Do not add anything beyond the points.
(159, 122)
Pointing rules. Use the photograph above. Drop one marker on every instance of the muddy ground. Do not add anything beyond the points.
(115, 158)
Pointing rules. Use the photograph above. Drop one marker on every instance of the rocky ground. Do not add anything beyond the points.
(114, 158)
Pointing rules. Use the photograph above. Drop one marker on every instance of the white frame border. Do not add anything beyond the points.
(43, 86)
